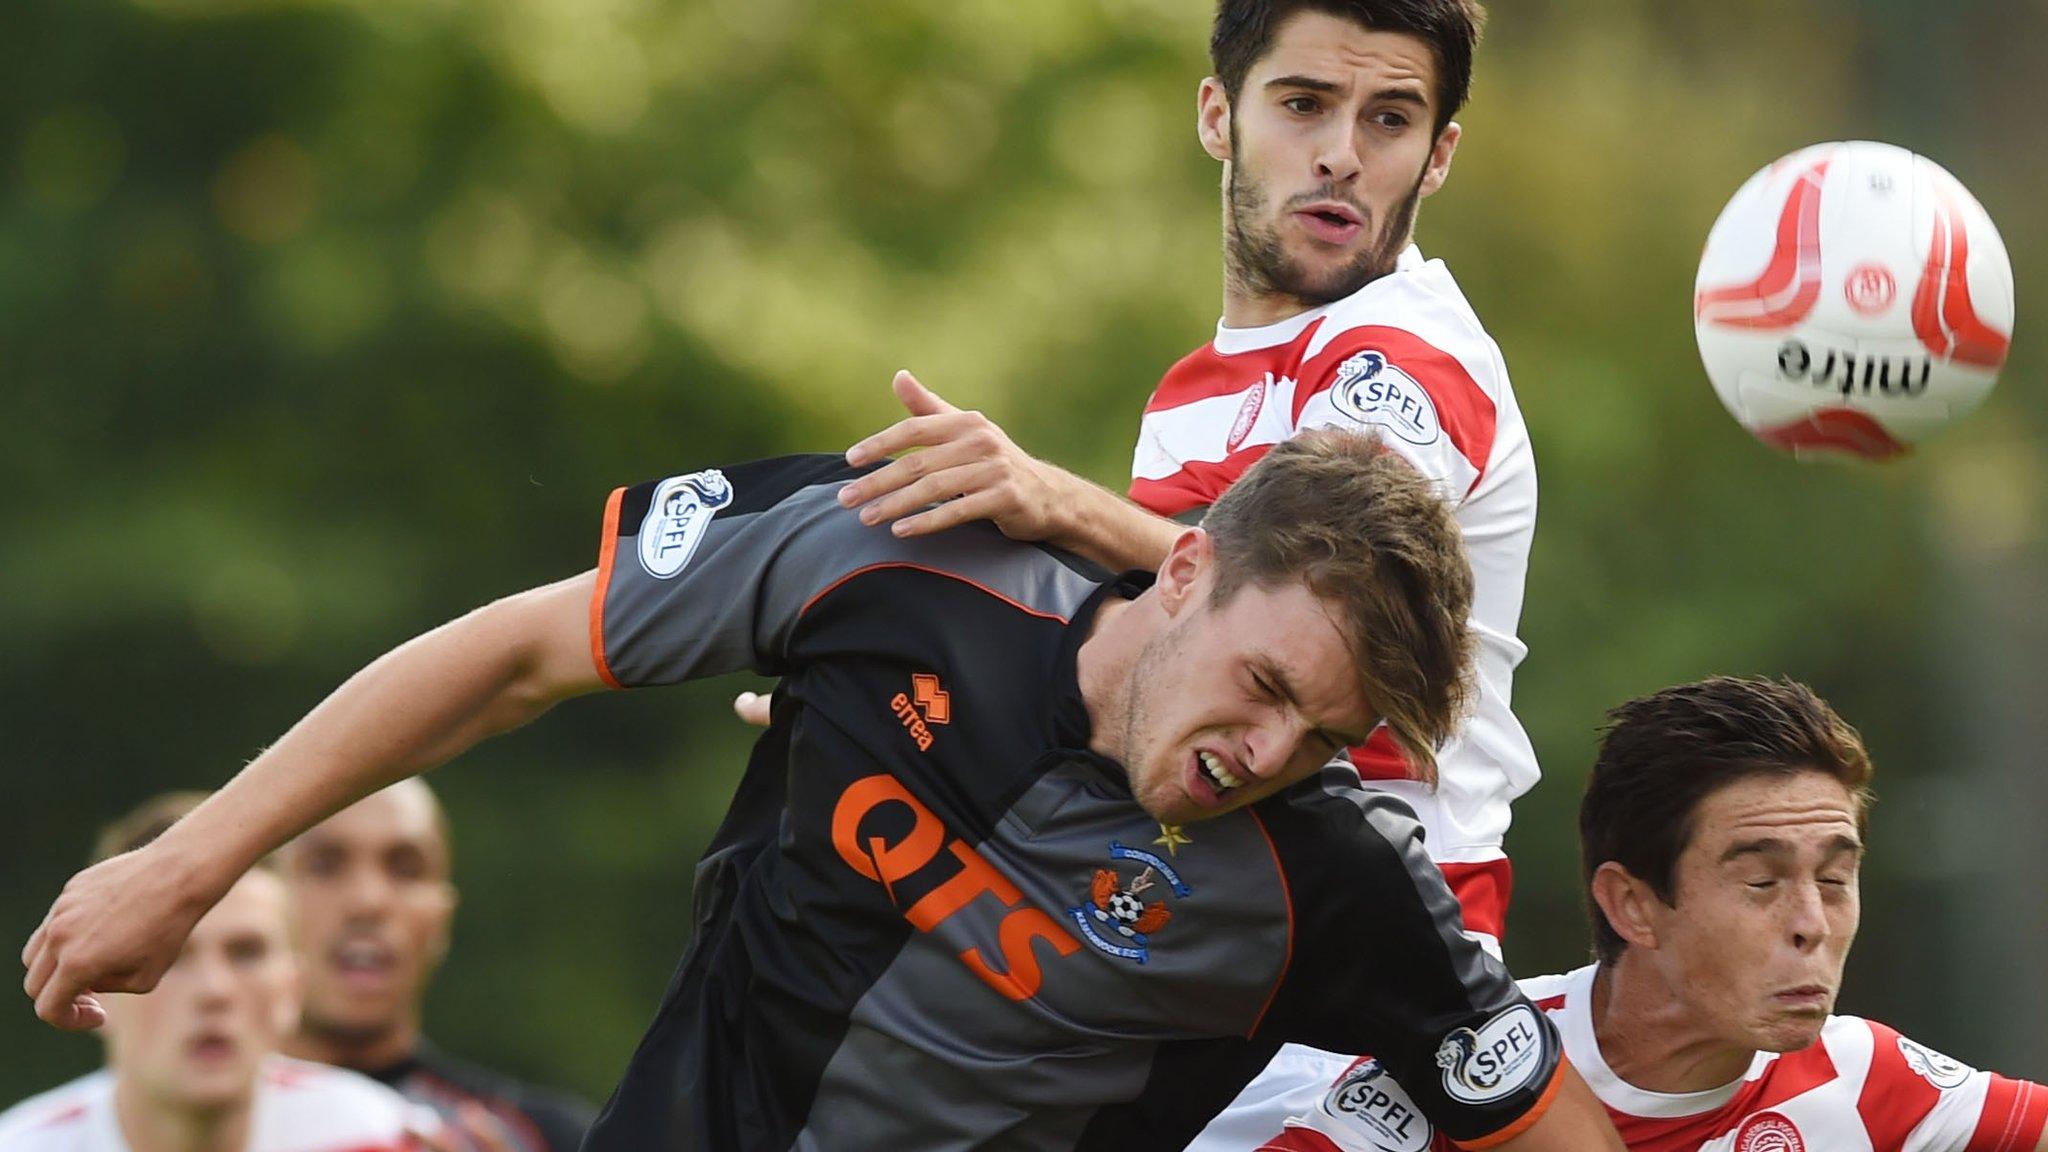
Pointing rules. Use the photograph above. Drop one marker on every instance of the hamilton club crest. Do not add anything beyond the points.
(1122, 914)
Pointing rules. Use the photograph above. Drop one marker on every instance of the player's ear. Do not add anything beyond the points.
(1181, 575)
(1440, 154)
(1627, 902)
(1212, 119)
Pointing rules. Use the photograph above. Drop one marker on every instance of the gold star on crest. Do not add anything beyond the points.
(1172, 837)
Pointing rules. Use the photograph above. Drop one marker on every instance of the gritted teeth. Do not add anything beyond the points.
(1217, 773)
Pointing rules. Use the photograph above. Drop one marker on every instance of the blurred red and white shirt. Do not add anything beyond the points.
(1862, 1088)
(1405, 357)
(300, 1107)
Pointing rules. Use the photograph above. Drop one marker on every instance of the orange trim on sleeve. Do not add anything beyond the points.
(607, 546)
(1287, 897)
(1527, 1119)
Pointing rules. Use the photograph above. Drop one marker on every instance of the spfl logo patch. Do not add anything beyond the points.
(676, 518)
(1367, 1102)
(1933, 1067)
(1379, 395)
(1121, 916)
(1502, 1057)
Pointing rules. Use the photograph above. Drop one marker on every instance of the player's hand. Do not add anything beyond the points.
(751, 707)
(966, 461)
(115, 928)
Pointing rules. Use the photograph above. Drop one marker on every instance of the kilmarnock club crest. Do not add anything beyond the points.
(1118, 918)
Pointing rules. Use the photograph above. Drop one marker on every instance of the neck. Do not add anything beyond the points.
(1102, 668)
(1651, 1038)
(1245, 308)
(361, 1050)
(149, 1127)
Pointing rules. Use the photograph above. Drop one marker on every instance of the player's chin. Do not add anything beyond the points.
(1789, 1032)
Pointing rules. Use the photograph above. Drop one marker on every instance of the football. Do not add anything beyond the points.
(1853, 299)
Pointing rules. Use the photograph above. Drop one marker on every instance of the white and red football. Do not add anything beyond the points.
(1853, 299)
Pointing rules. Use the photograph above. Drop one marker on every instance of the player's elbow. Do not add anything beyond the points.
(542, 638)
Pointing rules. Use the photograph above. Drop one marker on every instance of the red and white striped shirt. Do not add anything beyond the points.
(1406, 357)
(1861, 1088)
(299, 1107)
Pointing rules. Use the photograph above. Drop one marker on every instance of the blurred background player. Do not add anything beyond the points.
(371, 892)
(1722, 833)
(191, 1066)
(1333, 121)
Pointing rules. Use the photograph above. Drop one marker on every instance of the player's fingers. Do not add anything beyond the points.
(907, 471)
(914, 432)
(946, 484)
(57, 1003)
(39, 969)
(34, 947)
(752, 708)
(920, 400)
(981, 506)
(88, 1013)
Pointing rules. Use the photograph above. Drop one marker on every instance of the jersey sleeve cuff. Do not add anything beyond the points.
(1527, 1119)
(607, 550)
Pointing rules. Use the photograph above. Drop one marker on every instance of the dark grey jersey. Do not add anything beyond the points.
(933, 919)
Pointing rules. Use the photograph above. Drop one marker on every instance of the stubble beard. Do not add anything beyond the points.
(1138, 709)
(1256, 259)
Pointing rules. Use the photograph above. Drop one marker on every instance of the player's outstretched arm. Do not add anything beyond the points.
(1575, 1122)
(972, 465)
(118, 925)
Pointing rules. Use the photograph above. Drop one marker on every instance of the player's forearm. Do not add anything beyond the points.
(412, 709)
(1094, 523)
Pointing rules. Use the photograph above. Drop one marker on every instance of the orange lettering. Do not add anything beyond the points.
(878, 859)
(1018, 930)
(976, 876)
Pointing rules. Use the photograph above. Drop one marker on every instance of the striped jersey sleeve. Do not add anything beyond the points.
(1428, 404)
(1917, 1100)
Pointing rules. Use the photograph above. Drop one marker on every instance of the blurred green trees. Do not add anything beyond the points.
(325, 321)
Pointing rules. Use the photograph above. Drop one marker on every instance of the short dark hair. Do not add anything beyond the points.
(1336, 511)
(1244, 31)
(1663, 754)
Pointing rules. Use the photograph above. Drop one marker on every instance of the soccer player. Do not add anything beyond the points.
(372, 902)
(1030, 856)
(1722, 832)
(1332, 120)
(190, 1066)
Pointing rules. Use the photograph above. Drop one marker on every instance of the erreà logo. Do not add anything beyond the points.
(1502, 1057)
(681, 510)
(1375, 393)
(925, 705)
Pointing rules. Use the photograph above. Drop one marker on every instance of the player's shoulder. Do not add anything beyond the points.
(56, 1119)
(1551, 992)
(303, 1099)
(1328, 824)
(1892, 1058)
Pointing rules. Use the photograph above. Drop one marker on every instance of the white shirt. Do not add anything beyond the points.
(299, 1107)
